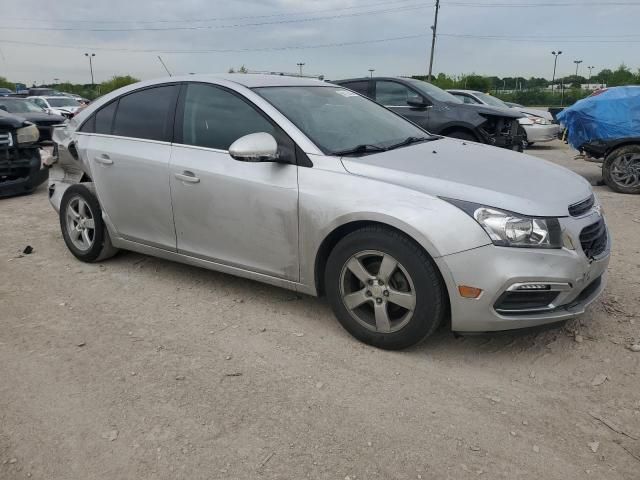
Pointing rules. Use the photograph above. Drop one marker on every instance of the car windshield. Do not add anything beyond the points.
(337, 120)
(20, 106)
(433, 92)
(62, 102)
(490, 100)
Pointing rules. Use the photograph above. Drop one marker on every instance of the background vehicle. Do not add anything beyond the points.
(21, 168)
(440, 112)
(312, 187)
(4, 92)
(607, 127)
(538, 125)
(31, 112)
(58, 105)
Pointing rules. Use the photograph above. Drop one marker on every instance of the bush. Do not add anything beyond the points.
(116, 83)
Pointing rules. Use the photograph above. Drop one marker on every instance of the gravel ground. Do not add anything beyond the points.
(142, 368)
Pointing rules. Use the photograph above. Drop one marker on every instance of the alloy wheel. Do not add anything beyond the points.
(80, 223)
(625, 170)
(377, 291)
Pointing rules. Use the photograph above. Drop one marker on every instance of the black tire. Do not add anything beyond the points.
(530, 143)
(100, 247)
(610, 169)
(462, 135)
(430, 293)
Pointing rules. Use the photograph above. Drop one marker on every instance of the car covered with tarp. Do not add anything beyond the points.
(607, 126)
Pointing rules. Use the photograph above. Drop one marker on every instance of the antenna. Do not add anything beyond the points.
(165, 67)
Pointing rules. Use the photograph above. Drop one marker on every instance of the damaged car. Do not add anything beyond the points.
(21, 169)
(31, 112)
(312, 187)
(439, 112)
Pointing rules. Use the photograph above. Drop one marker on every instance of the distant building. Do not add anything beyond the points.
(593, 86)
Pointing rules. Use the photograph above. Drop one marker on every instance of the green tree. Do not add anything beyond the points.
(622, 76)
(115, 83)
(4, 83)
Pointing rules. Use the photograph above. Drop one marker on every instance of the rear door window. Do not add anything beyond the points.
(361, 86)
(147, 114)
(104, 118)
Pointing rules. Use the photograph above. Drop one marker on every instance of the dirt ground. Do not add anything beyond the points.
(139, 368)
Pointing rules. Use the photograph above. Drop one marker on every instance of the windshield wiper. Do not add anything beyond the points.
(410, 140)
(364, 148)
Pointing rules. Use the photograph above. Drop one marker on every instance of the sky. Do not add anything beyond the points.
(41, 41)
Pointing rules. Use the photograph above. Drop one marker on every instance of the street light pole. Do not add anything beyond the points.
(577, 62)
(434, 27)
(371, 70)
(591, 67)
(91, 65)
(300, 65)
(555, 64)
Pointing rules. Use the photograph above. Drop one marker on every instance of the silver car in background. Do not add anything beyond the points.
(312, 187)
(538, 125)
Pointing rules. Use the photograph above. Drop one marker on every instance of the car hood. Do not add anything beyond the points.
(487, 110)
(477, 173)
(536, 112)
(8, 120)
(38, 118)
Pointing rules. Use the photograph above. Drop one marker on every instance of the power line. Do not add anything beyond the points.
(215, 27)
(210, 19)
(217, 50)
(539, 5)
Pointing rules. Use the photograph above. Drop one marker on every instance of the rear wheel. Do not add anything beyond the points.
(384, 289)
(82, 227)
(621, 169)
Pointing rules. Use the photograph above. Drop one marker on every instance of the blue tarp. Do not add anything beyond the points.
(613, 114)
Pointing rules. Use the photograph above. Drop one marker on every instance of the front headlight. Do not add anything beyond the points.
(538, 120)
(508, 229)
(29, 134)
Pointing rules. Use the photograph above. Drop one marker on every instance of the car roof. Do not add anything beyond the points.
(460, 90)
(249, 80)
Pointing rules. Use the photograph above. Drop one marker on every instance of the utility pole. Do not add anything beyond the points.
(91, 65)
(371, 70)
(300, 65)
(555, 64)
(434, 27)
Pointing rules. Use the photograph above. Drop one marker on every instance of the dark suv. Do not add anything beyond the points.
(440, 112)
(21, 168)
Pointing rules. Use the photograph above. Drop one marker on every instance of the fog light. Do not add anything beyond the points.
(469, 292)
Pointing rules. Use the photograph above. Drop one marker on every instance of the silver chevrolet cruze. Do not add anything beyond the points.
(312, 187)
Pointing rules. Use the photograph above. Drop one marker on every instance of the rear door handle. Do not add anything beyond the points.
(187, 176)
(104, 159)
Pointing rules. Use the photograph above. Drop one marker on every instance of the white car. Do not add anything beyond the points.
(538, 124)
(65, 106)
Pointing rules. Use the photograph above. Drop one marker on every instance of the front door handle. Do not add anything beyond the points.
(104, 159)
(187, 176)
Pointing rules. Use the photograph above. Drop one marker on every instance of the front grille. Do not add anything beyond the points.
(5, 139)
(516, 301)
(593, 239)
(580, 208)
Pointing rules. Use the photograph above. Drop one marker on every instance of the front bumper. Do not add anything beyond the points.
(541, 133)
(21, 170)
(496, 269)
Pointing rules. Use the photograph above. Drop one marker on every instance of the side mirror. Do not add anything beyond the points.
(255, 147)
(418, 102)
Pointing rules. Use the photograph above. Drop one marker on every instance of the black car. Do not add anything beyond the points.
(28, 110)
(440, 112)
(21, 168)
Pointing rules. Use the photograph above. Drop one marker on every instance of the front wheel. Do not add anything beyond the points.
(384, 289)
(621, 169)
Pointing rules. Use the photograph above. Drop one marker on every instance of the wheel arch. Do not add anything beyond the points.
(339, 232)
(460, 128)
(621, 143)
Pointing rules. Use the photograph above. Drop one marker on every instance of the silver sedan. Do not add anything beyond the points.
(312, 187)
